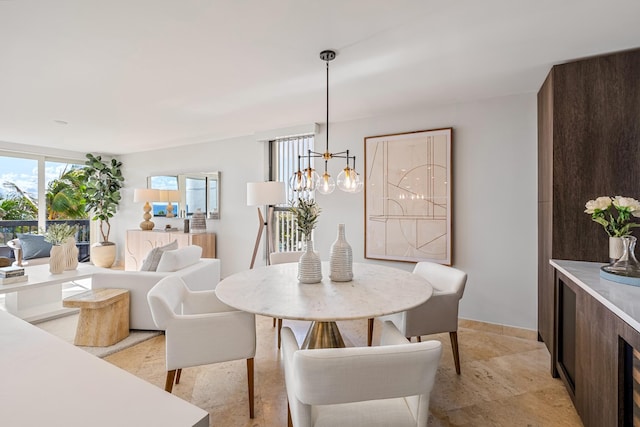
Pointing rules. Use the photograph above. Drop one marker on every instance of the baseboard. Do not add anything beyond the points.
(510, 331)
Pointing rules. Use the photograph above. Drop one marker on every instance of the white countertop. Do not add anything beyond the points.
(275, 291)
(49, 382)
(623, 300)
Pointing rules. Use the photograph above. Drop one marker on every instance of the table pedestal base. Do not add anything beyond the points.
(323, 335)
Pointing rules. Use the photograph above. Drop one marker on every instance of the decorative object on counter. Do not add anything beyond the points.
(309, 266)
(267, 194)
(146, 195)
(615, 215)
(186, 225)
(341, 259)
(198, 222)
(627, 265)
(60, 236)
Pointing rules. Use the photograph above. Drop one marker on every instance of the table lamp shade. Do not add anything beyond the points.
(146, 195)
(168, 196)
(266, 193)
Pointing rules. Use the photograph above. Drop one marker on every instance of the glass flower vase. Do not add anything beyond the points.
(627, 265)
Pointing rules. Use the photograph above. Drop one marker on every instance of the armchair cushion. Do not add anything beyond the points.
(180, 258)
(34, 246)
(150, 263)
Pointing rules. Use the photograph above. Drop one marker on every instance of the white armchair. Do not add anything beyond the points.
(389, 385)
(283, 258)
(200, 330)
(440, 312)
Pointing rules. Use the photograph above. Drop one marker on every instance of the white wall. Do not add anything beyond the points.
(494, 185)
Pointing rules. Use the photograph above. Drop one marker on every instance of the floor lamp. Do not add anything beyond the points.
(265, 194)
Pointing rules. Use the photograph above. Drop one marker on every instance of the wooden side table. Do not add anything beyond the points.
(104, 316)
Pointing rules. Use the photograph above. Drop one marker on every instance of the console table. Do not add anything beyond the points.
(140, 242)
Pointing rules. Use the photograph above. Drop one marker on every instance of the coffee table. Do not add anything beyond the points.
(274, 291)
(40, 297)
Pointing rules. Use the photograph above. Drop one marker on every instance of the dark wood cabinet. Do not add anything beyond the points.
(594, 356)
(588, 146)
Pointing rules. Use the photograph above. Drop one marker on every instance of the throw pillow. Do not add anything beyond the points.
(153, 257)
(180, 258)
(34, 246)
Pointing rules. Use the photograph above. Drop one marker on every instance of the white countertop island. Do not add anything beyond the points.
(623, 300)
(49, 382)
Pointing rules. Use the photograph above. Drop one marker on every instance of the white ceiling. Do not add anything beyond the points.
(134, 75)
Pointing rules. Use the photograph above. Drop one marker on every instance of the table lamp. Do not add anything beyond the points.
(169, 196)
(260, 194)
(146, 195)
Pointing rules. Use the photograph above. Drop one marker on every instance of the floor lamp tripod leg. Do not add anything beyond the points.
(258, 237)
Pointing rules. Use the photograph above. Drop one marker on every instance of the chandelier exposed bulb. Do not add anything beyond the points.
(325, 184)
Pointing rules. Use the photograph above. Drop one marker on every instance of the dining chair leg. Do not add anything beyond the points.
(289, 420)
(279, 330)
(168, 384)
(370, 332)
(250, 385)
(178, 373)
(274, 322)
(454, 346)
(419, 338)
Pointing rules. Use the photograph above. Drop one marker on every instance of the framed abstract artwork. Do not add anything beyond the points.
(408, 196)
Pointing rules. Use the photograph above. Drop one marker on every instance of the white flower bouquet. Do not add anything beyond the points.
(614, 214)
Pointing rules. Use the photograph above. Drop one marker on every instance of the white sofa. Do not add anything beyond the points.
(203, 275)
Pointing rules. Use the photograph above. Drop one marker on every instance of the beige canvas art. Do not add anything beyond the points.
(408, 196)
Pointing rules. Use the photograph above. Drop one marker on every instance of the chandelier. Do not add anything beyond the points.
(307, 179)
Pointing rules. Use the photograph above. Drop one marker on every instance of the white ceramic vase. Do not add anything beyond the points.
(56, 259)
(70, 254)
(309, 266)
(341, 259)
(616, 248)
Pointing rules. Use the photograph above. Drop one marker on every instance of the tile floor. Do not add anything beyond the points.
(505, 380)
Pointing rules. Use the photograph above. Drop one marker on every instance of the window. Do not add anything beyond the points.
(35, 190)
(284, 163)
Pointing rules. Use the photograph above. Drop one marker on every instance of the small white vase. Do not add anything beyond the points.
(56, 259)
(341, 259)
(616, 248)
(70, 254)
(309, 266)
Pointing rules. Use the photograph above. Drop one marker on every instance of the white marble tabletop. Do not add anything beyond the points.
(275, 291)
(621, 299)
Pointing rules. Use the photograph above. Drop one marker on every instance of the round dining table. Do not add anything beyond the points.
(275, 291)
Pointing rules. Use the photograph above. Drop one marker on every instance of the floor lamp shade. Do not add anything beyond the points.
(266, 193)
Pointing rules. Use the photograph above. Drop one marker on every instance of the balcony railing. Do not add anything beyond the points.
(10, 229)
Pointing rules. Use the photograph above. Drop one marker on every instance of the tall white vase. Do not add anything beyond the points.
(70, 254)
(341, 259)
(309, 266)
(56, 259)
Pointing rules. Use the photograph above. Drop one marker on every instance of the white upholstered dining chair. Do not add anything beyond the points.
(387, 385)
(440, 312)
(200, 330)
(283, 258)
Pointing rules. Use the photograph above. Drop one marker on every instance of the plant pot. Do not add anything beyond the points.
(103, 254)
(309, 265)
(56, 259)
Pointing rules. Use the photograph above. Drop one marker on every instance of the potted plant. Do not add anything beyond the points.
(103, 183)
(57, 235)
(306, 213)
